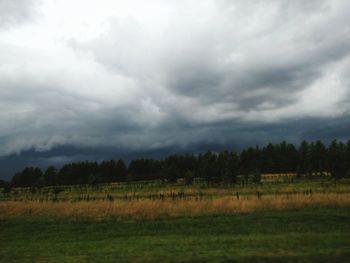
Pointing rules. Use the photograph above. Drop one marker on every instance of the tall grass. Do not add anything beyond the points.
(149, 209)
(128, 191)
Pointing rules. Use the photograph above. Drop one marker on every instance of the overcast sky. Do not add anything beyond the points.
(109, 78)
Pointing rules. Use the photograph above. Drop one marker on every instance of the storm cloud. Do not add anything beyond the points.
(107, 79)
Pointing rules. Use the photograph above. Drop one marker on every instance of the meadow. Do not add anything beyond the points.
(281, 220)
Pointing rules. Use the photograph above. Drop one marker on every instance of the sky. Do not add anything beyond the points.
(101, 79)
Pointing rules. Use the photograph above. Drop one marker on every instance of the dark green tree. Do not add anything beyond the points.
(228, 167)
(30, 176)
(107, 172)
(336, 159)
(120, 172)
(304, 164)
(318, 157)
(144, 169)
(347, 159)
(208, 167)
(269, 159)
(51, 176)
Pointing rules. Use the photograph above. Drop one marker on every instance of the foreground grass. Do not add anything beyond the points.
(294, 235)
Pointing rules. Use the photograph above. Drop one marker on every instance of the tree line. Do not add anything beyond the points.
(308, 159)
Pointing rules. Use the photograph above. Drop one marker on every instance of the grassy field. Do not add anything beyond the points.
(306, 235)
(303, 221)
(154, 200)
(155, 190)
(153, 209)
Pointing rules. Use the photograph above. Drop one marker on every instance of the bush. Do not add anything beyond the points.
(7, 188)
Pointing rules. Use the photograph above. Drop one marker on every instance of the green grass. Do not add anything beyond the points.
(307, 235)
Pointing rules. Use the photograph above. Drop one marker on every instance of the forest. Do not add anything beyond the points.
(309, 159)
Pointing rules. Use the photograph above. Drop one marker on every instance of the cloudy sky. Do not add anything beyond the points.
(103, 79)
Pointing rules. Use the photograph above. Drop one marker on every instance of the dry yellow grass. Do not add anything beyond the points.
(149, 209)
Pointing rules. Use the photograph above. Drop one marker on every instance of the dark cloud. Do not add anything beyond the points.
(221, 136)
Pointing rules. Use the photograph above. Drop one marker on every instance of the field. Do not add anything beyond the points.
(293, 221)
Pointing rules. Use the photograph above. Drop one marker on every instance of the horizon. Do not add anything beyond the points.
(150, 156)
